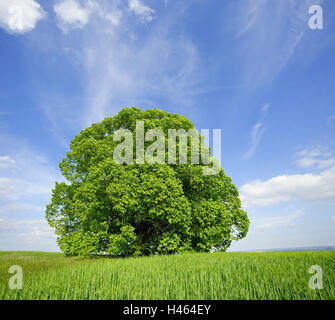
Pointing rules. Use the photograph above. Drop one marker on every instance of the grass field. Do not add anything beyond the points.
(267, 275)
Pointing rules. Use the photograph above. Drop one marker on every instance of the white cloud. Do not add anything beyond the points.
(300, 187)
(140, 9)
(319, 158)
(20, 16)
(6, 161)
(71, 15)
(257, 132)
(40, 231)
(333, 218)
(19, 234)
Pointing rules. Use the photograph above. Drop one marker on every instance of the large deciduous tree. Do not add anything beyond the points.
(140, 209)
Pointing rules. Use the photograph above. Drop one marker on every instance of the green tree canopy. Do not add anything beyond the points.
(140, 209)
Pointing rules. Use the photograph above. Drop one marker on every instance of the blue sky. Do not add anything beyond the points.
(252, 68)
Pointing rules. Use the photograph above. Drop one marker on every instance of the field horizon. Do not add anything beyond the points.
(289, 249)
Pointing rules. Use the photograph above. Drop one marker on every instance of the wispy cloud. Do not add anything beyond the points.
(140, 9)
(269, 34)
(279, 221)
(257, 132)
(249, 16)
(72, 14)
(320, 158)
(138, 72)
(6, 161)
(6, 188)
(26, 180)
(118, 65)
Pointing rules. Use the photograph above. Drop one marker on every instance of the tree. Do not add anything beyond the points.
(141, 209)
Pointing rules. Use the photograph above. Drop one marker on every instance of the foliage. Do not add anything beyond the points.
(141, 209)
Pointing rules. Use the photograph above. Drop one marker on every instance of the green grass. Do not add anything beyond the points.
(268, 275)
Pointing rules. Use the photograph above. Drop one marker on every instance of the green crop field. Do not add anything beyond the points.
(267, 275)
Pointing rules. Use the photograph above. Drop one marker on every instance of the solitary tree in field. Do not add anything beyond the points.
(141, 205)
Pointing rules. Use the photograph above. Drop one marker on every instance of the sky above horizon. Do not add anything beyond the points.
(252, 68)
